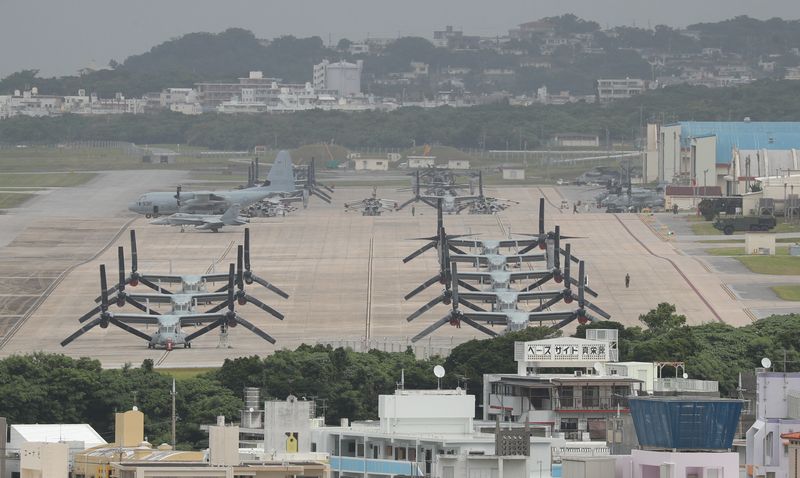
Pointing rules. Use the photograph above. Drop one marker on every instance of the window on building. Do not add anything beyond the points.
(539, 398)
(569, 424)
(566, 397)
(591, 397)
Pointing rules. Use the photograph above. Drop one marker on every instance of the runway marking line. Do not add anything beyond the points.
(675, 266)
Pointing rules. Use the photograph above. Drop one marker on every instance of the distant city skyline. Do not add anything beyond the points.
(58, 37)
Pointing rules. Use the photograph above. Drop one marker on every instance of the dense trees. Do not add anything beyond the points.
(42, 388)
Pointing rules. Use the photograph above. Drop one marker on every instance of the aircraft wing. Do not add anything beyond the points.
(201, 318)
(210, 224)
(176, 220)
(541, 316)
(157, 298)
(524, 275)
(206, 197)
(165, 278)
(137, 319)
(482, 259)
(478, 295)
(215, 277)
(537, 295)
(493, 317)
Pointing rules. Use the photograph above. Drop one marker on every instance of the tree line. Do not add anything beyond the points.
(52, 388)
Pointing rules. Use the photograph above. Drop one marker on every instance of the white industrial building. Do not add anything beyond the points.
(777, 413)
(370, 164)
(730, 155)
(342, 77)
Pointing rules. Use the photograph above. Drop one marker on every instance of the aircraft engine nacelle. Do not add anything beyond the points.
(103, 324)
(241, 301)
(558, 278)
(567, 299)
(134, 282)
(120, 301)
(232, 322)
(582, 319)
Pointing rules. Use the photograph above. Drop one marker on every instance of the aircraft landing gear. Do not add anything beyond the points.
(183, 229)
(148, 215)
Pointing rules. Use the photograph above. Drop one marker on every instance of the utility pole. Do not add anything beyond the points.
(173, 413)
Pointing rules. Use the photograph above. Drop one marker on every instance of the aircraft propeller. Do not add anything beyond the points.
(105, 318)
(231, 318)
(455, 317)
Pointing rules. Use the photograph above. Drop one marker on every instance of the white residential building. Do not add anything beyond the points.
(342, 77)
(619, 88)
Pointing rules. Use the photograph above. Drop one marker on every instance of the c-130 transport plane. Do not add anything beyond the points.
(280, 180)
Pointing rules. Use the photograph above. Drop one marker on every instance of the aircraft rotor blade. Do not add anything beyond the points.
(121, 267)
(419, 251)
(565, 322)
(541, 216)
(482, 328)
(252, 328)
(129, 329)
(239, 267)
(545, 278)
(437, 300)
(422, 286)
(88, 315)
(247, 248)
(154, 286)
(549, 303)
(204, 330)
(81, 331)
(597, 309)
(140, 306)
(467, 285)
(406, 203)
(470, 305)
(134, 255)
(103, 289)
(217, 307)
(444, 320)
(249, 298)
(269, 286)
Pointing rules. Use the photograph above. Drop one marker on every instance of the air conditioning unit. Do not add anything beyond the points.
(579, 373)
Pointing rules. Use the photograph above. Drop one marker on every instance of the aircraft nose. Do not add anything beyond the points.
(132, 207)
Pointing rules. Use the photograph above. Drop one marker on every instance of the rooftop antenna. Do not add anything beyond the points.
(402, 384)
(439, 372)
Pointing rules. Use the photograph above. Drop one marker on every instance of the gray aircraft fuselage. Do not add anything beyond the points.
(165, 203)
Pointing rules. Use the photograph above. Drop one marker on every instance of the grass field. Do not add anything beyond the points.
(705, 228)
(787, 292)
(779, 264)
(184, 373)
(8, 200)
(34, 180)
(739, 251)
(776, 265)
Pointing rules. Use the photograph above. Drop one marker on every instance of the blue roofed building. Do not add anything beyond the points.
(725, 154)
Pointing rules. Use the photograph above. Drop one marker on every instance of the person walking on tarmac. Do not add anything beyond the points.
(627, 280)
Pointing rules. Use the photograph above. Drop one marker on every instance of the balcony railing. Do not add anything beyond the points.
(373, 466)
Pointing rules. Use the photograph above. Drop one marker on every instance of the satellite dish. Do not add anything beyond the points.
(251, 409)
(438, 371)
(766, 363)
(135, 408)
(598, 367)
(685, 375)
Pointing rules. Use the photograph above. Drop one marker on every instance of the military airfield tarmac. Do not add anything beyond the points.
(343, 271)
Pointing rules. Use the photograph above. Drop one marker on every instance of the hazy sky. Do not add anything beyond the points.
(59, 36)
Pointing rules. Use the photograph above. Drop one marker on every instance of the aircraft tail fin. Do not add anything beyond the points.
(281, 175)
(231, 214)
